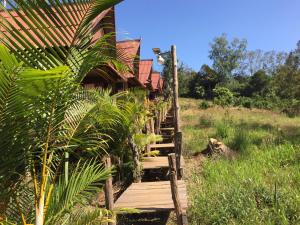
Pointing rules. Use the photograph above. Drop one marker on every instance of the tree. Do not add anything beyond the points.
(287, 82)
(259, 60)
(42, 117)
(54, 117)
(206, 80)
(227, 57)
(185, 76)
(167, 74)
(258, 83)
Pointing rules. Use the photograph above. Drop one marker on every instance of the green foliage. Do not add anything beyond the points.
(205, 105)
(227, 56)
(223, 96)
(199, 92)
(86, 180)
(258, 83)
(185, 76)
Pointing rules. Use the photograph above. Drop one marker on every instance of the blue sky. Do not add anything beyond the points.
(192, 25)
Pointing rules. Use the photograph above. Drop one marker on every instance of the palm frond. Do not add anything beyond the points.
(48, 34)
(86, 180)
(14, 108)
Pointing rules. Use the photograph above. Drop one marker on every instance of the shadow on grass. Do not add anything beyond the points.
(144, 218)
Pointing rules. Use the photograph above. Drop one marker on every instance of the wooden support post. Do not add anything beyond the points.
(157, 123)
(152, 125)
(175, 89)
(178, 152)
(181, 216)
(148, 131)
(108, 189)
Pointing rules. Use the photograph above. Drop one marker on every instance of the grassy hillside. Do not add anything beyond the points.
(261, 185)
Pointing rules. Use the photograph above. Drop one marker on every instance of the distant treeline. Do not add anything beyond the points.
(244, 78)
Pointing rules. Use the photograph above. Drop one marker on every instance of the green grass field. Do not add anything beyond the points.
(261, 185)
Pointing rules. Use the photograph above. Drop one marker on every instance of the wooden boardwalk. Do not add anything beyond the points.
(168, 192)
(159, 196)
(151, 196)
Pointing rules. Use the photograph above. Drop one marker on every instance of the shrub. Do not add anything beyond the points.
(204, 105)
(223, 96)
(199, 92)
(292, 108)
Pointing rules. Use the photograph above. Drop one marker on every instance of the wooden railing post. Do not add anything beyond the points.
(178, 153)
(175, 89)
(157, 121)
(108, 189)
(180, 214)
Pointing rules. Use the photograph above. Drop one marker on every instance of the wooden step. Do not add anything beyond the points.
(150, 197)
(157, 162)
(160, 146)
(167, 129)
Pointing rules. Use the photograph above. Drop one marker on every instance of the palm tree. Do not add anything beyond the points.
(40, 119)
(55, 37)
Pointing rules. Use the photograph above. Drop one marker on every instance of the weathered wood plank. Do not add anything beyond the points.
(151, 196)
(165, 145)
(157, 162)
(167, 129)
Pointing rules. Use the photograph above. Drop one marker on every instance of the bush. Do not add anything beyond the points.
(204, 105)
(258, 102)
(292, 108)
(223, 96)
(199, 92)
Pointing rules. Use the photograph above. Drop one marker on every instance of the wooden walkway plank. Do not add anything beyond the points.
(157, 162)
(167, 129)
(151, 196)
(164, 145)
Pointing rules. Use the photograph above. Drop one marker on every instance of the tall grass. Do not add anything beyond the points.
(261, 185)
(241, 140)
(243, 191)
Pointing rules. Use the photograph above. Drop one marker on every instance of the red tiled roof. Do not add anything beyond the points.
(161, 83)
(145, 70)
(64, 37)
(128, 51)
(155, 76)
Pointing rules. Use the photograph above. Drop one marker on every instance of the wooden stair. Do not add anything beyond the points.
(151, 196)
(157, 196)
(160, 162)
(162, 146)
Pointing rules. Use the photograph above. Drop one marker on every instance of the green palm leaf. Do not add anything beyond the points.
(55, 32)
(87, 179)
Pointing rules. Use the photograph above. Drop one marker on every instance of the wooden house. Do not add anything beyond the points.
(156, 86)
